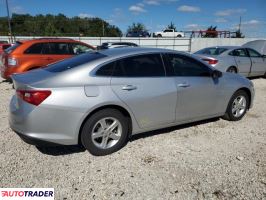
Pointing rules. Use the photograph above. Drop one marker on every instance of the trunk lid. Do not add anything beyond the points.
(29, 79)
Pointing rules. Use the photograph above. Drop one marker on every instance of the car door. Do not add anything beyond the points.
(243, 61)
(198, 94)
(140, 82)
(35, 56)
(258, 63)
(59, 51)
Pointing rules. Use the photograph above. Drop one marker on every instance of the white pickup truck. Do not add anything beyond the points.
(168, 33)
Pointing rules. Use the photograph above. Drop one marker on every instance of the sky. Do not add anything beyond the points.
(187, 15)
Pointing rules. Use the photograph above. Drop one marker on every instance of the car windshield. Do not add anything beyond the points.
(13, 47)
(212, 51)
(74, 62)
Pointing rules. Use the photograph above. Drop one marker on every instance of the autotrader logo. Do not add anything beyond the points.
(27, 193)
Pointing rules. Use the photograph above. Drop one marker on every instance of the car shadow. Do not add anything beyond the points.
(61, 150)
(170, 129)
(6, 81)
(66, 150)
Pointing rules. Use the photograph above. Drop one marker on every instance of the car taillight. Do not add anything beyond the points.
(35, 97)
(12, 61)
(210, 61)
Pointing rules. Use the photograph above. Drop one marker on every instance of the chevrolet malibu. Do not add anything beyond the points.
(100, 99)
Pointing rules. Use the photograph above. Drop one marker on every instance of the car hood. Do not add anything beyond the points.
(258, 45)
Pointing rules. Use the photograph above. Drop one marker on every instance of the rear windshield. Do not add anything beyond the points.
(211, 51)
(74, 62)
(13, 47)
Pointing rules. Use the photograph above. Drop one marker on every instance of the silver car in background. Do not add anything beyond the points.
(100, 99)
(235, 59)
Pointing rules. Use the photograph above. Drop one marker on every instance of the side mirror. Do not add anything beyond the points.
(216, 74)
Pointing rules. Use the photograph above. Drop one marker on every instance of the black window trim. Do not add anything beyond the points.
(171, 71)
(247, 50)
(94, 71)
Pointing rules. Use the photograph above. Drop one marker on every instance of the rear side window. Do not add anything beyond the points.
(74, 62)
(149, 65)
(239, 53)
(35, 49)
(13, 47)
(106, 70)
(186, 66)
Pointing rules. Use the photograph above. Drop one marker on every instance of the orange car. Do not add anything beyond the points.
(32, 54)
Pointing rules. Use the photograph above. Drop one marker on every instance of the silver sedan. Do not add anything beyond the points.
(100, 99)
(235, 59)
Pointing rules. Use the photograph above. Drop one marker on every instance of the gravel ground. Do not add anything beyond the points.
(214, 159)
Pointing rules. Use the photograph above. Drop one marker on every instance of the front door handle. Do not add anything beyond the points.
(183, 85)
(129, 87)
(49, 59)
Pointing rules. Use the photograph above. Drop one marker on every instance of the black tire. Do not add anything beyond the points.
(229, 115)
(179, 36)
(232, 70)
(159, 35)
(89, 125)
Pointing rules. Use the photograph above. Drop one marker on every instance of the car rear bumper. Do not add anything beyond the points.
(35, 141)
(38, 125)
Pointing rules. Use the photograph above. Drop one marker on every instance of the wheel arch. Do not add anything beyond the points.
(245, 89)
(237, 70)
(124, 111)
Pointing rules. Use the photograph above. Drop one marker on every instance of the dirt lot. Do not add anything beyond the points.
(214, 159)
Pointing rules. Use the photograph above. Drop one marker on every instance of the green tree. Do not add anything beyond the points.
(171, 26)
(238, 34)
(136, 27)
(57, 25)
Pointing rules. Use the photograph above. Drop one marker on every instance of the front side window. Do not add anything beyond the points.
(59, 48)
(253, 53)
(149, 65)
(77, 48)
(186, 66)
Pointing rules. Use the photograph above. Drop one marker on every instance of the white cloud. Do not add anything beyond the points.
(17, 10)
(228, 12)
(252, 22)
(186, 8)
(158, 2)
(221, 20)
(193, 26)
(138, 8)
(85, 15)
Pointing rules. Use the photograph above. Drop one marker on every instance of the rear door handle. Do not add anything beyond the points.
(129, 87)
(183, 85)
(49, 59)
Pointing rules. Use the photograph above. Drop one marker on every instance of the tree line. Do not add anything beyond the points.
(61, 25)
(58, 25)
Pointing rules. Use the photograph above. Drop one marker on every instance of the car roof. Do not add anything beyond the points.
(226, 47)
(48, 40)
(118, 52)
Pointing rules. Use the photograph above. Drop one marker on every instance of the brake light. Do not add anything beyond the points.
(12, 61)
(210, 61)
(35, 97)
